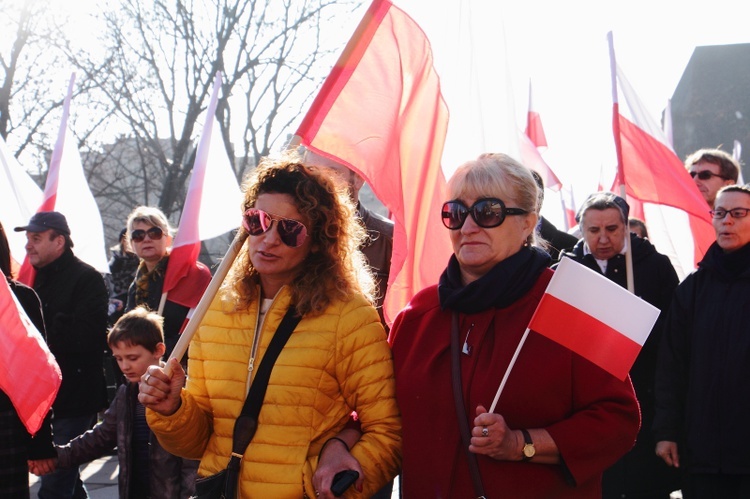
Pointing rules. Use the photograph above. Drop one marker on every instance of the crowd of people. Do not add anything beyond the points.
(293, 381)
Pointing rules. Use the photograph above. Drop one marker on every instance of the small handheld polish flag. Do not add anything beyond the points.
(594, 317)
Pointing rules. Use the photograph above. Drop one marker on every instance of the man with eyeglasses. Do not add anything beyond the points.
(74, 303)
(711, 170)
(603, 219)
(703, 401)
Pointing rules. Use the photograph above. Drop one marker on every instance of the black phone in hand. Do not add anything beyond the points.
(342, 481)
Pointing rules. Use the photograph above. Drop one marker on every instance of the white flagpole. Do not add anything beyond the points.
(620, 166)
(507, 371)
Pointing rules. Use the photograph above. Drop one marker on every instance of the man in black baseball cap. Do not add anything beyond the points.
(45, 220)
(48, 237)
(74, 304)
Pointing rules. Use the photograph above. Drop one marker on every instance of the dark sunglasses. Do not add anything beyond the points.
(291, 232)
(486, 212)
(705, 175)
(154, 233)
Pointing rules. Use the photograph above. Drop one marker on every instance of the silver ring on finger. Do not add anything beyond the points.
(485, 431)
(145, 378)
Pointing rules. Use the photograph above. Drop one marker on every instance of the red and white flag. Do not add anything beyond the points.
(211, 208)
(594, 317)
(674, 210)
(29, 373)
(19, 199)
(67, 191)
(569, 207)
(532, 158)
(383, 111)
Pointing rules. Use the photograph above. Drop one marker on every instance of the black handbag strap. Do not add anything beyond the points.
(247, 421)
(458, 397)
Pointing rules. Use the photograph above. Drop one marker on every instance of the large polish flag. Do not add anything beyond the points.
(212, 208)
(67, 191)
(676, 214)
(19, 199)
(384, 112)
(29, 373)
(577, 312)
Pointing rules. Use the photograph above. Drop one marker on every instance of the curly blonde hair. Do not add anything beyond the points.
(336, 268)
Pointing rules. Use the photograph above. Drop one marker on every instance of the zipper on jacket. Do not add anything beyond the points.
(256, 338)
(254, 349)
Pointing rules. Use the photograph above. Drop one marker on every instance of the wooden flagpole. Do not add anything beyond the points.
(208, 296)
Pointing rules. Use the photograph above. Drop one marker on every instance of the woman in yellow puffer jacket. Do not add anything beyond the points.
(302, 251)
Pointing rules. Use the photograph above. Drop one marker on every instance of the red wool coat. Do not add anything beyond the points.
(592, 416)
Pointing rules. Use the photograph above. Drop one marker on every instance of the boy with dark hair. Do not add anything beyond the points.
(146, 469)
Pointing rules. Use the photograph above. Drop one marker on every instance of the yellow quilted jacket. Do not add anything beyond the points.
(332, 364)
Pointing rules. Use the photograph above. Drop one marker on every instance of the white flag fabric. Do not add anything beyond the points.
(19, 199)
(212, 207)
(77, 203)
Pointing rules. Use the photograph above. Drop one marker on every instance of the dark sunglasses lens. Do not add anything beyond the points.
(291, 232)
(488, 213)
(453, 215)
(256, 222)
(155, 233)
(704, 175)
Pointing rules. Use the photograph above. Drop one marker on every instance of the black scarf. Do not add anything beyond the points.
(505, 283)
(730, 266)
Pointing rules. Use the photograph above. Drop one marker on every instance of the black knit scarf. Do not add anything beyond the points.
(505, 283)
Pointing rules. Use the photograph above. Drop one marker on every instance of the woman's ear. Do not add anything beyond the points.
(529, 224)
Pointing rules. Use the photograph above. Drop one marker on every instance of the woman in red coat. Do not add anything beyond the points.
(560, 422)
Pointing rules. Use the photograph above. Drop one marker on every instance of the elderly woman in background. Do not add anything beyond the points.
(150, 237)
(702, 400)
(301, 253)
(603, 219)
(561, 420)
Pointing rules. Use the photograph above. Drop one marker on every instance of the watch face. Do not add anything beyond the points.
(529, 450)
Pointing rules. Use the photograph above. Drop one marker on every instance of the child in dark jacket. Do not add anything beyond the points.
(146, 469)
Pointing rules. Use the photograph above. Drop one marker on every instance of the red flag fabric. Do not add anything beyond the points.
(29, 373)
(676, 214)
(211, 209)
(382, 114)
(189, 290)
(609, 336)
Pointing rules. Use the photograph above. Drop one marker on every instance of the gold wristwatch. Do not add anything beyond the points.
(528, 448)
